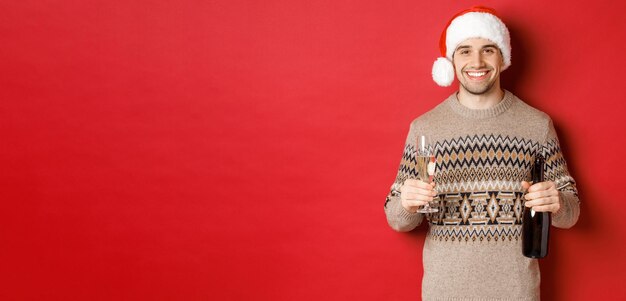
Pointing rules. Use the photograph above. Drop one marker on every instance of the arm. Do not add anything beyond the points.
(558, 193)
(407, 194)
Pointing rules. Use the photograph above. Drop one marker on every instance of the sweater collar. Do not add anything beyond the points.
(493, 111)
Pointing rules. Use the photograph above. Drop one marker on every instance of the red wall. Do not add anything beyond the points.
(233, 150)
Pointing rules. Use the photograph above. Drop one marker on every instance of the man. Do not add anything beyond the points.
(485, 140)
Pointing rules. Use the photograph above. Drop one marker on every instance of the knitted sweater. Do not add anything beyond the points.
(473, 247)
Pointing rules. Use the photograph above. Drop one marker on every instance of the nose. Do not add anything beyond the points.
(477, 60)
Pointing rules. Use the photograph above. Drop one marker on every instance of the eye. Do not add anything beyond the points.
(489, 50)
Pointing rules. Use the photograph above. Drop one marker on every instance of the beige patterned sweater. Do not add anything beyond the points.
(473, 248)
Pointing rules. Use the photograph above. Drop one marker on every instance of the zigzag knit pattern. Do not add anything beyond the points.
(482, 163)
(484, 151)
(479, 182)
(556, 168)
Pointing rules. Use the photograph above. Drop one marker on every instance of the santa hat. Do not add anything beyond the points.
(476, 22)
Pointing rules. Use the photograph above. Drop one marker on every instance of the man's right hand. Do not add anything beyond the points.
(415, 194)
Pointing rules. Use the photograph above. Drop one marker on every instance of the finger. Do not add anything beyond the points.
(409, 188)
(419, 194)
(525, 185)
(418, 184)
(409, 182)
(546, 208)
(418, 197)
(416, 203)
(541, 186)
(417, 190)
(540, 194)
(541, 202)
(412, 206)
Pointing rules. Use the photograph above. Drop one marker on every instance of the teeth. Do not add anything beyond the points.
(476, 74)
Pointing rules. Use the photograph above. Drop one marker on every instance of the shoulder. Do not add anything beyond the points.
(529, 113)
(433, 115)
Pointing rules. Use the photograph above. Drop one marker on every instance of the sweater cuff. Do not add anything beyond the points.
(400, 219)
(567, 215)
(402, 213)
(406, 214)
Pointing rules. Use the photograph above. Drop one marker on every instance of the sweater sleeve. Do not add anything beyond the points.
(398, 218)
(556, 171)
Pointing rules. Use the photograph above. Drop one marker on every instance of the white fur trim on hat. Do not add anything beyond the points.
(443, 72)
(479, 25)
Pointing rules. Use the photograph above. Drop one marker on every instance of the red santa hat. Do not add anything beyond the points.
(476, 22)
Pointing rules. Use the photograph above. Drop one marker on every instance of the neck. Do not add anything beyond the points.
(481, 101)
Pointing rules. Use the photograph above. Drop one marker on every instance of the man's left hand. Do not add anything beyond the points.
(542, 197)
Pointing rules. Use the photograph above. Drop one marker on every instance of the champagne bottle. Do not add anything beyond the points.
(535, 225)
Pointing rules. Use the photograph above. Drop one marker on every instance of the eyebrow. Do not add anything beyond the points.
(468, 47)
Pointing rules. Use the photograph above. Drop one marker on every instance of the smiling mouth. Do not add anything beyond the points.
(477, 75)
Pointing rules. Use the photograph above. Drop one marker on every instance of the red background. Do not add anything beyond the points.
(242, 150)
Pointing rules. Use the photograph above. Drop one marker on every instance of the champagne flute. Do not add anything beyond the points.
(425, 157)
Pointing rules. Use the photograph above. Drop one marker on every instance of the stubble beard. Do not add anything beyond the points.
(478, 90)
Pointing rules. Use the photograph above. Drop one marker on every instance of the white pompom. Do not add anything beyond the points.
(443, 72)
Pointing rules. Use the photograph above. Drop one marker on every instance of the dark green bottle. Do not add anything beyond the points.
(536, 225)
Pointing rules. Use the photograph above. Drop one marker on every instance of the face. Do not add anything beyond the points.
(477, 64)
